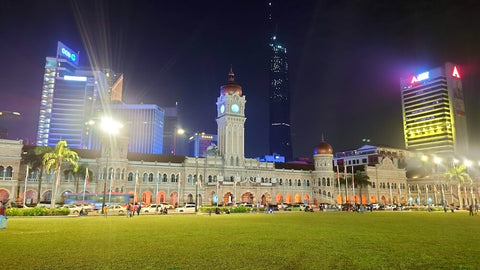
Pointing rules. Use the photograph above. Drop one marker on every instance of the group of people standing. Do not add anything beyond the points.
(132, 208)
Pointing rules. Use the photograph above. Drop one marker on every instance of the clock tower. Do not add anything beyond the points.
(231, 122)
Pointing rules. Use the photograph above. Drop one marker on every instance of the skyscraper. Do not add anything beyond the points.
(69, 97)
(199, 143)
(66, 97)
(434, 119)
(142, 124)
(279, 95)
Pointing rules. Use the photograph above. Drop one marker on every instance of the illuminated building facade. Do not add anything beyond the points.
(279, 95)
(199, 142)
(170, 137)
(143, 123)
(434, 119)
(69, 97)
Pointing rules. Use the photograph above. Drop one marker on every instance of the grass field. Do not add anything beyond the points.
(378, 240)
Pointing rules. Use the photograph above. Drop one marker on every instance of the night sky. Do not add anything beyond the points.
(345, 58)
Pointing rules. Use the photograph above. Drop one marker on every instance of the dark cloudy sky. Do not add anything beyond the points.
(345, 59)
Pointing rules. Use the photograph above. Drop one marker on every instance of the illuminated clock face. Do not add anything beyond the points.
(222, 108)
(235, 108)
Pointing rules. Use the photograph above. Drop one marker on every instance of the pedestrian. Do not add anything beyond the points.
(444, 208)
(451, 208)
(165, 210)
(470, 208)
(476, 209)
(105, 210)
(128, 210)
(3, 216)
(138, 209)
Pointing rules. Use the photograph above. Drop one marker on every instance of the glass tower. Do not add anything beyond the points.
(279, 95)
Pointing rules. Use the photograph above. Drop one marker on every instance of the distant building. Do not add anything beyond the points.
(279, 94)
(170, 136)
(434, 118)
(272, 158)
(8, 119)
(142, 124)
(199, 142)
(371, 155)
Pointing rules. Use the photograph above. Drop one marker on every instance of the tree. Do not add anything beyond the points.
(78, 173)
(54, 159)
(459, 175)
(33, 159)
(361, 181)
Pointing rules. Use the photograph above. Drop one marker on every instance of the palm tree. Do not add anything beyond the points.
(78, 173)
(33, 159)
(460, 175)
(54, 160)
(361, 180)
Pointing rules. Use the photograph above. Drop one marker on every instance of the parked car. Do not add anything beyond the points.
(86, 207)
(74, 209)
(116, 209)
(188, 208)
(169, 206)
(152, 208)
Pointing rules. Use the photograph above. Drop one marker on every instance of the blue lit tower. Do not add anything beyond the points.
(279, 95)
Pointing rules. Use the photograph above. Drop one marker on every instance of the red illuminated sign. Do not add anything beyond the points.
(455, 72)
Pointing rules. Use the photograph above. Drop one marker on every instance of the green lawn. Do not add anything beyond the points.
(378, 240)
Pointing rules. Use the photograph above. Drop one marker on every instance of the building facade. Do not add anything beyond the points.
(69, 96)
(226, 178)
(199, 143)
(434, 118)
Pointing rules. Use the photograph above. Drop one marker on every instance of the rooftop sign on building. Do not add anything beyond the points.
(66, 53)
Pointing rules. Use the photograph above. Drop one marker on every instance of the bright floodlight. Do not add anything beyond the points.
(424, 158)
(455, 161)
(180, 131)
(110, 126)
(467, 163)
(437, 160)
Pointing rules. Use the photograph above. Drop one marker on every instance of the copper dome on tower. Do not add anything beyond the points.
(322, 149)
(231, 87)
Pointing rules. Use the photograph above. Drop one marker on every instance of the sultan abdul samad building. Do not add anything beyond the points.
(223, 178)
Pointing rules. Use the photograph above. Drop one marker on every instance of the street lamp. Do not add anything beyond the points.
(178, 131)
(111, 128)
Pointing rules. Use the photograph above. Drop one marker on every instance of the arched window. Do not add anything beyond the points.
(290, 182)
(190, 179)
(145, 177)
(328, 181)
(308, 183)
(299, 183)
(237, 161)
(117, 173)
(150, 178)
(123, 174)
(165, 179)
(2, 171)
(130, 177)
(231, 161)
(210, 179)
(280, 182)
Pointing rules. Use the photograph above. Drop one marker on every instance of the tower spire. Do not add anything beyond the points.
(231, 75)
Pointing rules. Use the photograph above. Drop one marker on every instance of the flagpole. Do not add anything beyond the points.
(25, 189)
(178, 189)
(156, 191)
(110, 187)
(135, 192)
(353, 186)
(418, 194)
(346, 184)
(426, 193)
(218, 183)
(85, 184)
(339, 189)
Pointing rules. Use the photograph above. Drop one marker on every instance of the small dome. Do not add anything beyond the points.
(322, 149)
(231, 87)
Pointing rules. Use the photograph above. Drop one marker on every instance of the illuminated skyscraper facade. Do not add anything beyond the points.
(279, 95)
(434, 119)
(67, 99)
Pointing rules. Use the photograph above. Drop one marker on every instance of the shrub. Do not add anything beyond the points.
(37, 211)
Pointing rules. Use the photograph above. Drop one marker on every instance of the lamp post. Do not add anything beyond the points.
(196, 185)
(178, 131)
(111, 128)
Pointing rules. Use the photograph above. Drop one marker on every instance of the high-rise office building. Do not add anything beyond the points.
(170, 127)
(199, 143)
(69, 96)
(144, 125)
(279, 95)
(434, 119)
